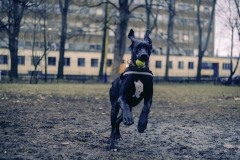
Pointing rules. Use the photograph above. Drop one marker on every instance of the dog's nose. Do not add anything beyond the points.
(144, 57)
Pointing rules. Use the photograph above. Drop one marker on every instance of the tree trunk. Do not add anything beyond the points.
(171, 14)
(64, 11)
(120, 37)
(13, 47)
(45, 44)
(232, 71)
(33, 75)
(148, 12)
(14, 28)
(201, 49)
(104, 47)
(199, 67)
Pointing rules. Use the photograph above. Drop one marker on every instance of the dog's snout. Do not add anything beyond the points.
(143, 57)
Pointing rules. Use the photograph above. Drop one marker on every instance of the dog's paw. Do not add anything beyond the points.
(118, 137)
(141, 129)
(128, 119)
(142, 126)
(113, 148)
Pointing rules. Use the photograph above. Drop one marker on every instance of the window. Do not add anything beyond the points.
(21, 60)
(206, 65)
(94, 62)
(92, 46)
(81, 61)
(180, 65)
(185, 7)
(190, 65)
(185, 38)
(109, 62)
(226, 66)
(3, 59)
(28, 44)
(35, 60)
(98, 47)
(66, 61)
(206, 9)
(170, 65)
(158, 64)
(52, 61)
(188, 52)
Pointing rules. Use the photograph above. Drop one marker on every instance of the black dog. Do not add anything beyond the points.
(134, 84)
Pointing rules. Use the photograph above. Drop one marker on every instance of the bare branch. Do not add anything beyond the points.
(99, 4)
(237, 6)
(210, 25)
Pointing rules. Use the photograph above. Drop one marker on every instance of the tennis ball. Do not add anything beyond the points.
(140, 63)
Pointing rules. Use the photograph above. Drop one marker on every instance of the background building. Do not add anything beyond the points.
(85, 36)
(85, 27)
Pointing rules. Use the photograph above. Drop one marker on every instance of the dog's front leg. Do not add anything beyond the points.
(114, 113)
(127, 115)
(143, 119)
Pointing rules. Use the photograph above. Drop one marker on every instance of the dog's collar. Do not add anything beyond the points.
(136, 72)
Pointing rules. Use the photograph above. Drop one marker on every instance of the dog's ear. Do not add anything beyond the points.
(147, 39)
(131, 35)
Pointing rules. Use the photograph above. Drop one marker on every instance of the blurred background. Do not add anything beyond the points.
(81, 40)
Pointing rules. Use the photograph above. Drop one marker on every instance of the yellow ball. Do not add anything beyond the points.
(140, 63)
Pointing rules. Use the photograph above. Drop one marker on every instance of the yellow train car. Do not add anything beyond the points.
(87, 64)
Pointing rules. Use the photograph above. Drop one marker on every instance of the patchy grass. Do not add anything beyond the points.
(169, 93)
(71, 121)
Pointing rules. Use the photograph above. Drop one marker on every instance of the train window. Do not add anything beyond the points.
(81, 61)
(3, 59)
(158, 64)
(109, 62)
(52, 61)
(190, 65)
(21, 60)
(180, 65)
(66, 61)
(206, 65)
(94, 62)
(226, 66)
(170, 64)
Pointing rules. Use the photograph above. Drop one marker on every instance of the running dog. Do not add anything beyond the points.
(133, 85)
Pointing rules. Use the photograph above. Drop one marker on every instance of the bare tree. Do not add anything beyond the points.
(64, 5)
(232, 22)
(44, 16)
(120, 35)
(237, 5)
(35, 60)
(232, 71)
(13, 11)
(151, 16)
(124, 9)
(171, 15)
(102, 73)
(39, 14)
(203, 47)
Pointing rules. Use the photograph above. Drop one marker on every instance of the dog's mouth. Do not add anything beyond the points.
(140, 63)
(143, 57)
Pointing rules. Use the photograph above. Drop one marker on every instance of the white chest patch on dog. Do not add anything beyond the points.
(139, 88)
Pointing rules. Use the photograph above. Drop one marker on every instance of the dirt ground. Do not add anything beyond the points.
(41, 123)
